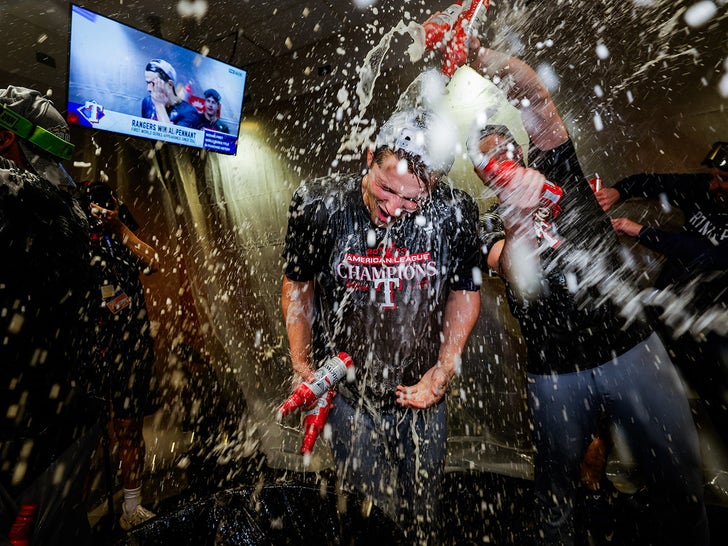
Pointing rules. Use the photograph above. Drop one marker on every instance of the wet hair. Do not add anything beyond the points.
(501, 130)
(415, 165)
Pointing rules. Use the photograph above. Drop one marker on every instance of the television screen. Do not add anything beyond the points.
(126, 81)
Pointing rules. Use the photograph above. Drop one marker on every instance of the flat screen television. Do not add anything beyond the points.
(126, 81)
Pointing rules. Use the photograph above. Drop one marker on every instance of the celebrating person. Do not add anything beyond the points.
(49, 420)
(384, 267)
(162, 103)
(558, 255)
(695, 270)
(124, 348)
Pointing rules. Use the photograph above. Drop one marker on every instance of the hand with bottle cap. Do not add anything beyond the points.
(462, 25)
(607, 197)
(512, 182)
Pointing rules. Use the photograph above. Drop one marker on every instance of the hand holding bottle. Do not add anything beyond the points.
(328, 375)
(315, 420)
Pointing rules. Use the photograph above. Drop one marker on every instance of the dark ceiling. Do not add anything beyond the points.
(658, 69)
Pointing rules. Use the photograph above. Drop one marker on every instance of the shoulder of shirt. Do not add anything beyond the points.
(330, 185)
(446, 189)
(449, 197)
(14, 177)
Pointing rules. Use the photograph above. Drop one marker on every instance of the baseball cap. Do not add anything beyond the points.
(43, 133)
(212, 93)
(717, 156)
(165, 70)
(422, 133)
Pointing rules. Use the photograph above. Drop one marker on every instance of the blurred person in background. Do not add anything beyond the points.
(210, 116)
(692, 302)
(124, 350)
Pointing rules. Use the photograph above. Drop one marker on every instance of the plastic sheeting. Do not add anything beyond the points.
(273, 514)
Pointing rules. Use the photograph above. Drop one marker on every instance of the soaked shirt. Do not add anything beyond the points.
(45, 295)
(380, 293)
(573, 324)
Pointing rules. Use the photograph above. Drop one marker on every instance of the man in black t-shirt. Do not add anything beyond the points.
(558, 255)
(384, 267)
(692, 296)
(49, 422)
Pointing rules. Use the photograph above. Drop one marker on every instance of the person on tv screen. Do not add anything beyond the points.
(209, 119)
(162, 103)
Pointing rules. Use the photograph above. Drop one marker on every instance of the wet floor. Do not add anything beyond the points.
(248, 502)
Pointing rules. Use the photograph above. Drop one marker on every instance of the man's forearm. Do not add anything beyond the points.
(297, 303)
(143, 252)
(461, 314)
(540, 116)
(519, 261)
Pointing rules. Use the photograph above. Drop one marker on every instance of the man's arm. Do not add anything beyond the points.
(541, 119)
(297, 302)
(461, 313)
(699, 251)
(678, 188)
(515, 258)
(144, 253)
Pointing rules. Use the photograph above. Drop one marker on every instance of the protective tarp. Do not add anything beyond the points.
(272, 514)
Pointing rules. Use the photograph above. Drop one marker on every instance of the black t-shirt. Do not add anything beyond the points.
(702, 244)
(212, 125)
(45, 298)
(573, 324)
(380, 293)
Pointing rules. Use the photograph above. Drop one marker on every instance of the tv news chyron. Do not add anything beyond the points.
(107, 85)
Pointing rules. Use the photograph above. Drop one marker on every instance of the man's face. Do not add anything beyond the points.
(499, 148)
(211, 106)
(390, 191)
(157, 87)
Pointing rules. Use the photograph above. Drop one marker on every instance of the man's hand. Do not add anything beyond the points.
(607, 197)
(520, 191)
(625, 226)
(427, 392)
(158, 91)
(109, 218)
